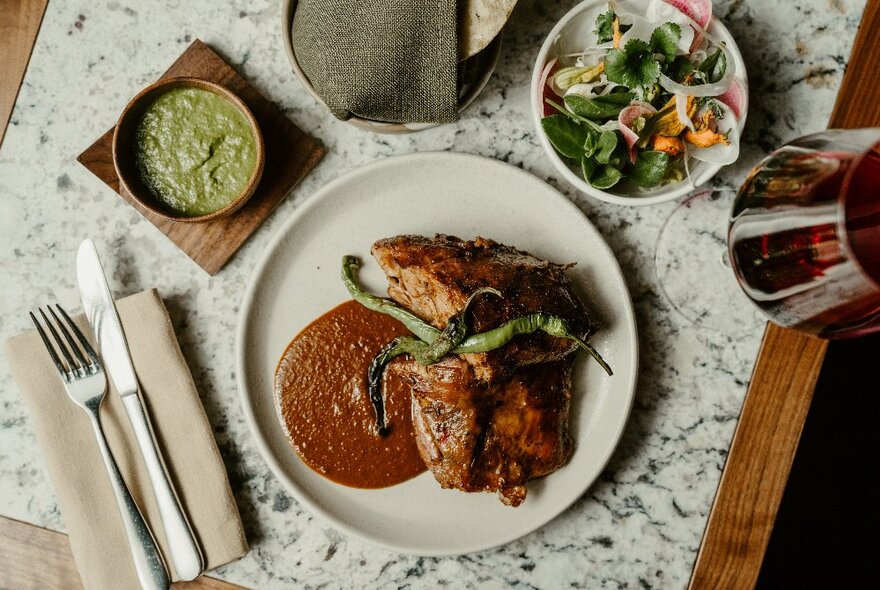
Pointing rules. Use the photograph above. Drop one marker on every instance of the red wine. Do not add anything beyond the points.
(805, 239)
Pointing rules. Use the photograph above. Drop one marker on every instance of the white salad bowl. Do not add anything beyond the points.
(576, 29)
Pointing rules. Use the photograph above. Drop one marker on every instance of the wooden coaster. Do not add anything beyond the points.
(290, 155)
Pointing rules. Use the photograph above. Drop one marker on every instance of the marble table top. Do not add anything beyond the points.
(639, 526)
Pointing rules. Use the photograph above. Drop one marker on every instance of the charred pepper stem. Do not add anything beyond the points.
(398, 346)
(454, 333)
(425, 354)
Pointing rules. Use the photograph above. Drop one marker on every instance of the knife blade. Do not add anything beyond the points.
(101, 313)
(185, 554)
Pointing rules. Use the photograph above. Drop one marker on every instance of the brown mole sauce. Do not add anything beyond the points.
(321, 392)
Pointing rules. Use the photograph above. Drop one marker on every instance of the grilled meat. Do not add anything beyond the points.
(488, 421)
(475, 437)
(433, 277)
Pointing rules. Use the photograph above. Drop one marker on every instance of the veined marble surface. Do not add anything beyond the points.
(639, 526)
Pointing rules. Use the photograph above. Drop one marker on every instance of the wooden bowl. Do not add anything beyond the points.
(124, 143)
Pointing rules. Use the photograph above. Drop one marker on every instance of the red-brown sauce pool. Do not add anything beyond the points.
(321, 392)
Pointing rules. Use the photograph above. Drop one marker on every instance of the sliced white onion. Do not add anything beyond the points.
(720, 153)
(641, 28)
(681, 111)
(687, 166)
(719, 87)
(585, 90)
(611, 125)
(660, 12)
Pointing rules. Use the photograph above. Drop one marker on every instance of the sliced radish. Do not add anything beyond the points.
(696, 13)
(720, 153)
(627, 116)
(545, 90)
(700, 11)
(734, 98)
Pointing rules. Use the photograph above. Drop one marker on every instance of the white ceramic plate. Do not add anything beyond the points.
(298, 280)
(576, 29)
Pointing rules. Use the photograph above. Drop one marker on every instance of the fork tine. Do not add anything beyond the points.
(70, 362)
(49, 346)
(80, 337)
(73, 347)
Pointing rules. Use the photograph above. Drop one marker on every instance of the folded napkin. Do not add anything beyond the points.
(71, 454)
(385, 60)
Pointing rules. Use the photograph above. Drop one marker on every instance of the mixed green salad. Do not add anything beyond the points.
(649, 94)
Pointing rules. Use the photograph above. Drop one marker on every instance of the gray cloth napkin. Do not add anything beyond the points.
(385, 60)
(71, 455)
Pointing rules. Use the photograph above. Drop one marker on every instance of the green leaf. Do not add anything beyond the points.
(634, 66)
(591, 144)
(665, 39)
(607, 177)
(604, 30)
(567, 136)
(714, 66)
(607, 143)
(599, 108)
(649, 169)
(680, 67)
(588, 166)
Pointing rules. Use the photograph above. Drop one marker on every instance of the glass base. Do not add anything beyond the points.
(693, 266)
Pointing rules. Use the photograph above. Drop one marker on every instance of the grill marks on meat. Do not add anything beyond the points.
(477, 437)
(433, 277)
(489, 421)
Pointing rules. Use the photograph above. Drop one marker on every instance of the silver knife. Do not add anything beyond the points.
(101, 313)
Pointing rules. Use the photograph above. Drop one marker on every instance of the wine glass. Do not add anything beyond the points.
(804, 236)
(693, 268)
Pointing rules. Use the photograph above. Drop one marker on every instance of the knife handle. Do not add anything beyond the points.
(147, 560)
(183, 548)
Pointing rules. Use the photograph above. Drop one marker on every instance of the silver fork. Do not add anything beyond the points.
(86, 384)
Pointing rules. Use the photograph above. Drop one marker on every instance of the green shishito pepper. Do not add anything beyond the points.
(431, 344)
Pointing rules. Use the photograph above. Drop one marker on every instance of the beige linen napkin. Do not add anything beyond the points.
(70, 451)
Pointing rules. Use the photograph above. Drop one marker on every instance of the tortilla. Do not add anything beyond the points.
(479, 22)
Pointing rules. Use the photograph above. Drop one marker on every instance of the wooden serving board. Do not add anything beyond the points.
(34, 558)
(781, 388)
(290, 155)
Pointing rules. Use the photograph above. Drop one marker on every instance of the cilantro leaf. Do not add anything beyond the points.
(664, 40)
(604, 31)
(634, 66)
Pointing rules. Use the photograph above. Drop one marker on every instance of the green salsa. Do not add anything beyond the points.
(194, 150)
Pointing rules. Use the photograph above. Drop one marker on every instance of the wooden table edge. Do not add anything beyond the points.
(781, 389)
(23, 25)
(35, 557)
